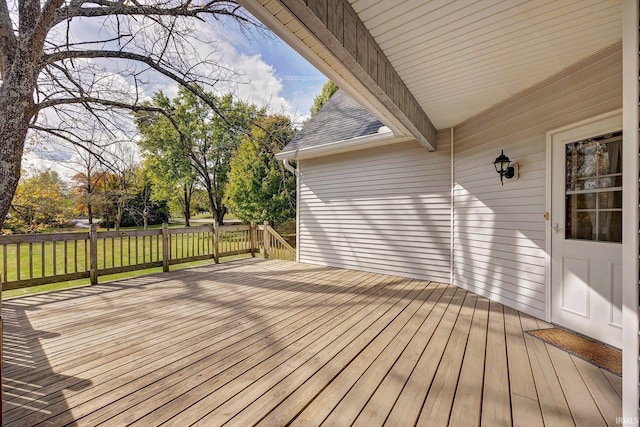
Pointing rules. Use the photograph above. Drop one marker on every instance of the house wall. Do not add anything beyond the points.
(500, 231)
(384, 209)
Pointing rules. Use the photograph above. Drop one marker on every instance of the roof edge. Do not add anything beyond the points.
(352, 144)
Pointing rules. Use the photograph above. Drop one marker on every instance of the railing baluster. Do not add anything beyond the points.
(55, 258)
(121, 252)
(66, 260)
(75, 256)
(4, 264)
(18, 256)
(30, 260)
(42, 259)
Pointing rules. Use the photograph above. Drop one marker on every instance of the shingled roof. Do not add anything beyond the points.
(339, 119)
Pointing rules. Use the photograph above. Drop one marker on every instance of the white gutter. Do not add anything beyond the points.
(384, 136)
(288, 167)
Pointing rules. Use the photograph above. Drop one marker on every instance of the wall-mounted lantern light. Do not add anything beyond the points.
(504, 168)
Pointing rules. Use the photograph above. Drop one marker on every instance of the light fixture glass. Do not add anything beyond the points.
(501, 164)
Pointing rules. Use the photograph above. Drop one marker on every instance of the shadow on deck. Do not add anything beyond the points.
(274, 342)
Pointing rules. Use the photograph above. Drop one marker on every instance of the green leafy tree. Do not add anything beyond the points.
(173, 180)
(41, 201)
(192, 140)
(259, 188)
(325, 94)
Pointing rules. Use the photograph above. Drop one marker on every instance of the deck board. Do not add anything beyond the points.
(272, 342)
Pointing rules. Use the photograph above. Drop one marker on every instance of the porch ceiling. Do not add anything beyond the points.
(458, 58)
(452, 58)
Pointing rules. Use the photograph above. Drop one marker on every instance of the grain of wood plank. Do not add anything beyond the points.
(408, 405)
(383, 398)
(217, 390)
(467, 403)
(615, 381)
(82, 347)
(496, 399)
(251, 350)
(419, 294)
(248, 340)
(553, 404)
(524, 396)
(321, 407)
(286, 411)
(601, 390)
(437, 406)
(93, 403)
(82, 314)
(381, 356)
(121, 371)
(583, 408)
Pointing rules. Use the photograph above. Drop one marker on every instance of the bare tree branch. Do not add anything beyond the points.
(161, 68)
(215, 8)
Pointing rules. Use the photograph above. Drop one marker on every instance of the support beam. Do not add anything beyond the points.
(330, 35)
(631, 216)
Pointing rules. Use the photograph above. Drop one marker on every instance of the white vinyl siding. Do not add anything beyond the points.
(500, 231)
(384, 209)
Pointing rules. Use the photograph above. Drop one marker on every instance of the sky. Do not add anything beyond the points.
(270, 74)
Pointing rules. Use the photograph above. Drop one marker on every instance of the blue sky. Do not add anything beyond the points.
(300, 81)
(270, 74)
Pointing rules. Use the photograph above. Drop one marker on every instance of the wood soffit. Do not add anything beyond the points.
(337, 27)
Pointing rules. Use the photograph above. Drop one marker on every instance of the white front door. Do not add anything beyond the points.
(586, 224)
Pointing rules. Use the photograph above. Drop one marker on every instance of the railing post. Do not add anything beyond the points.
(216, 243)
(93, 254)
(253, 238)
(165, 247)
(265, 240)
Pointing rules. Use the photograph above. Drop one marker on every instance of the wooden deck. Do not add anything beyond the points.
(274, 342)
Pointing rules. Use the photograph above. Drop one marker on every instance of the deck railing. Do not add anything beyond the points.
(38, 259)
(274, 246)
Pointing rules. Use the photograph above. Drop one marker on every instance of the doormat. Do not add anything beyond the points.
(584, 348)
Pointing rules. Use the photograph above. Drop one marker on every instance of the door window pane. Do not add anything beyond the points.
(593, 201)
(610, 227)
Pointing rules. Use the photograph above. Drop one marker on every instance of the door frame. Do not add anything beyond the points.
(548, 192)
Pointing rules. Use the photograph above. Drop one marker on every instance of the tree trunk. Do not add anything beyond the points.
(118, 219)
(187, 206)
(90, 213)
(16, 110)
(219, 215)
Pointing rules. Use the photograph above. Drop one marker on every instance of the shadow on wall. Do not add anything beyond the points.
(386, 209)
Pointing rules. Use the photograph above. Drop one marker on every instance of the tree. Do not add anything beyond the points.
(259, 188)
(88, 178)
(49, 77)
(40, 201)
(325, 94)
(172, 183)
(193, 134)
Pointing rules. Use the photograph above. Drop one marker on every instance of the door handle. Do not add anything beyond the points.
(556, 228)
